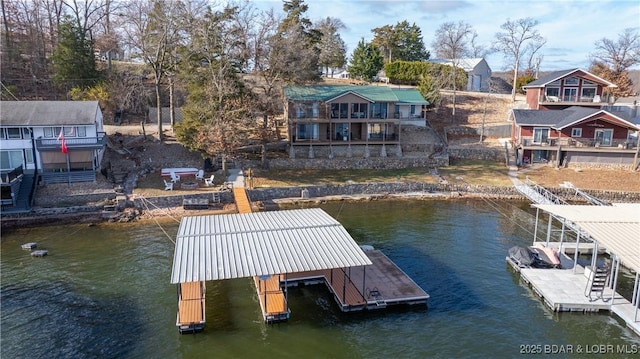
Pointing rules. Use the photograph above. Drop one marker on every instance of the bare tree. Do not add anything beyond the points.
(153, 30)
(332, 48)
(451, 42)
(478, 50)
(619, 55)
(517, 37)
(266, 81)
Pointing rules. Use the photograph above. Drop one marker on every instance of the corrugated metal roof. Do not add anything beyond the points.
(327, 93)
(467, 64)
(48, 113)
(615, 227)
(230, 246)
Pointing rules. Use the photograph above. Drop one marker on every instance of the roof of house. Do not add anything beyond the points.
(227, 246)
(559, 119)
(468, 64)
(48, 113)
(327, 93)
(557, 75)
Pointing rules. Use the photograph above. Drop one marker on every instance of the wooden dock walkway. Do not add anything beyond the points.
(371, 287)
(242, 200)
(191, 313)
(273, 301)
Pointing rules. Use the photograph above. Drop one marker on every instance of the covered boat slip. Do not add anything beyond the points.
(592, 286)
(368, 287)
(273, 301)
(190, 317)
(263, 245)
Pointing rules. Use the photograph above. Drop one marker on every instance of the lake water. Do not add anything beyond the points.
(104, 292)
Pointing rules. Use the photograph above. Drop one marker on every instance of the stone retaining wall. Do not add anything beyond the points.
(351, 163)
(485, 154)
(92, 213)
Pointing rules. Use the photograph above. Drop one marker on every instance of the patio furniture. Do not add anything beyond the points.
(200, 175)
(180, 171)
(209, 181)
(168, 186)
(174, 177)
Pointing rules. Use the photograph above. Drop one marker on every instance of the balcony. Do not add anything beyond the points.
(578, 143)
(85, 143)
(597, 100)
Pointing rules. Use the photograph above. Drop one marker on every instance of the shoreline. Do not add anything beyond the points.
(132, 212)
(67, 215)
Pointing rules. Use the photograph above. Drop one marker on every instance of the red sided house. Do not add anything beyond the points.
(575, 136)
(561, 89)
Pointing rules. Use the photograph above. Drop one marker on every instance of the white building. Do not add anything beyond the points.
(477, 69)
(32, 135)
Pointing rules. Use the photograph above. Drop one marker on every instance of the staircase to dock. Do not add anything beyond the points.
(597, 283)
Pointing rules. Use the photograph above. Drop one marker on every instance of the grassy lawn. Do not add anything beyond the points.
(152, 185)
(474, 172)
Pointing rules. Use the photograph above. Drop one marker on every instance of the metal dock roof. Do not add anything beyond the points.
(616, 227)
(230, 246)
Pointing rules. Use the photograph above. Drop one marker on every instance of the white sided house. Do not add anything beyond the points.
(477, 69)
(32, 138)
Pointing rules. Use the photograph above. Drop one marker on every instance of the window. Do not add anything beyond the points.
(552, 91)
(588, 93)
(379, 110)
(540, 135)
(571, 81)
(588, 83)
(359, 110)
(308, 131)
(13, 133)
(576, 132)
(339, 110)
(68, 131)
(570, 95)
(604, 137)
(10, 159)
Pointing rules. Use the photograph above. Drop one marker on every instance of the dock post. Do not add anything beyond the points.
(575, 255)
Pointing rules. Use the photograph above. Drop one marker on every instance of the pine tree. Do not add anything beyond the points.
(365, 62)
(73, 58)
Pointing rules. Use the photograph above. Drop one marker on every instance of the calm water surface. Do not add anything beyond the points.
(104, 292)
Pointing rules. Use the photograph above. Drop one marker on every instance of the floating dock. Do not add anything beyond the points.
(272, 299)
(191, 314)
(369, 287)
(563, 290)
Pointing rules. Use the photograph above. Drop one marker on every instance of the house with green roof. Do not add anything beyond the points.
(350, 116)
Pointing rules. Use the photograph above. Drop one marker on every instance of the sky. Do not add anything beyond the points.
(570, 27)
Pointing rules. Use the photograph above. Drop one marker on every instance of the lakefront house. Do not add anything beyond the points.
(50, 142)
(349, 119)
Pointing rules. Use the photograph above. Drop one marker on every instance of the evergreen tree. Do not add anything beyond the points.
(365, 62)
(400, 42)
(73, 58)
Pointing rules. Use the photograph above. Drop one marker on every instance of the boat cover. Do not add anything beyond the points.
(522, 256)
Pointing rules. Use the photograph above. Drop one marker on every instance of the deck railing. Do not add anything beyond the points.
(85, 142)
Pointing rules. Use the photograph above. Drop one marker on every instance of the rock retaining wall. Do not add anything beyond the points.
(349, 163)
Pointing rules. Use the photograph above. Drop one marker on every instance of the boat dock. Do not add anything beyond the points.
(279, 249)
(191, 314)
(563, 290)
(370, 287)
(272, 299)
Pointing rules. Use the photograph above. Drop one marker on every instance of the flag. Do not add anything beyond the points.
(63, 146)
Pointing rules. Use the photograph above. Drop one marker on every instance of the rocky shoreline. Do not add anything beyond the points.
(129, 209)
